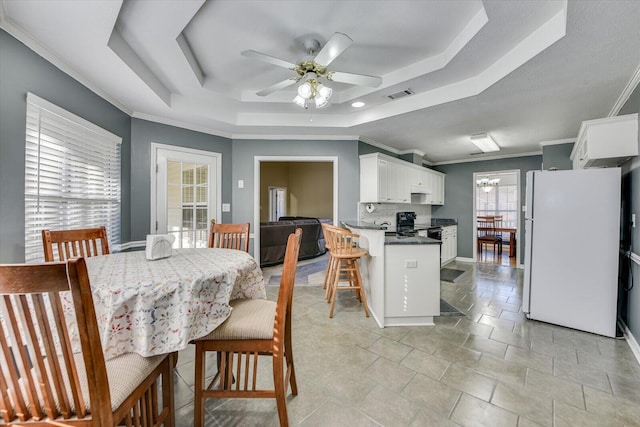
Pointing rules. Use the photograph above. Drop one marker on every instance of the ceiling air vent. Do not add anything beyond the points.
(400, 94)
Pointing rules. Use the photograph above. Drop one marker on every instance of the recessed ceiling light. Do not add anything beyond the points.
(358, 104)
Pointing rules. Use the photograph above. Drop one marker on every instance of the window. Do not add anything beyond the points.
(72, 175)
(502, 200)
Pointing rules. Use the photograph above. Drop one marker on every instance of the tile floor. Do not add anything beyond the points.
(489, 368)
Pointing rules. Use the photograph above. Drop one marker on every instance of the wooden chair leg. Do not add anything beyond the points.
(198, 401)
(363, 297)
(279, 386)
(334, 290)
(291, 370)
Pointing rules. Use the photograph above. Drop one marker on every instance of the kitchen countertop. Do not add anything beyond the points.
(413, 240)
(364, 225)
(443, 222)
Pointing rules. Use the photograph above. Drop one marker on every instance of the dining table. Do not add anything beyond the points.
(160, 306)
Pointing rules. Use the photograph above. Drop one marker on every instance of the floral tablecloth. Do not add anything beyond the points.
(156, 307)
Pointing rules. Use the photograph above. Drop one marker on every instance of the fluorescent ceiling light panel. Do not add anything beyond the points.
(485, 143)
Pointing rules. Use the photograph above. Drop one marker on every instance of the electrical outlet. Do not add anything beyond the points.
(226, 207)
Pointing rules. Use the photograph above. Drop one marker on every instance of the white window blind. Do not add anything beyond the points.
(72, 175)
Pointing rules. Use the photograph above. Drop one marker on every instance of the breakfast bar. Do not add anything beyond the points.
(401, 275)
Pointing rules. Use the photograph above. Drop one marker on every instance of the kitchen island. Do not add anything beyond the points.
(401, 275)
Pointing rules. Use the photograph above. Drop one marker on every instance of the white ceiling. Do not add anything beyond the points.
(527, 72)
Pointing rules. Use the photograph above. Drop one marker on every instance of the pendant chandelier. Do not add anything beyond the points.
(487, 184)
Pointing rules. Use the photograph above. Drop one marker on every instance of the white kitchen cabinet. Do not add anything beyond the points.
(412, 279)
(385, 179)
(606, 142)
(449, 244)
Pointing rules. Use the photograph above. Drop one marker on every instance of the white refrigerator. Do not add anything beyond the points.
(572, 228)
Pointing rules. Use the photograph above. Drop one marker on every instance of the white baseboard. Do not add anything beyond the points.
(631, 340)
(464, 259)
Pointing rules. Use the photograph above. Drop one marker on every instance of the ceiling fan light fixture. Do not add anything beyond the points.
(325, 91)
(321, 101)
(298, 100)
(305, 90)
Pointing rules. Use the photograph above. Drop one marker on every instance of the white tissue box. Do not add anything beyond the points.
(159, 246)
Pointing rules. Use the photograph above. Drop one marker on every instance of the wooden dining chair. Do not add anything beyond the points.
(229, 236)
(256, 327)
(49, 378)
(487, 234)
(76, 243)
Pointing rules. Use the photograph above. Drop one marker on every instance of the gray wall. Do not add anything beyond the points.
(143, 133)
(631, 200)
(364, 148)
(244, 152)
(557, 156)
(458, 197)
(22, 71)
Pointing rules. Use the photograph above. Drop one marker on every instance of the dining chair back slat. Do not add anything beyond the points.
(49, 377)
(230, 236)
(85, 242)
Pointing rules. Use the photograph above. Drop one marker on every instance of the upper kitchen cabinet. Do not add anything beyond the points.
(385, 179)
(606, 142)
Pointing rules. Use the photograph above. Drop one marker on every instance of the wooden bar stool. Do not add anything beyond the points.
(343, 263)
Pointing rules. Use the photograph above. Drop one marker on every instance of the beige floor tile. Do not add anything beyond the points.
(497, 322)
(502, 370)
(486, 346)
(619, 409)
(474, 328)
(469, 381)
(557, 388)
(534, 406)
(565, 415)
(389, 408)
(582, 374)
(472, 412)
(428, 418)
(510, 338)
(393, 376)
(426, 364)
(334, 413)
(390, 349)
(438, 397)
(530, 359)
(458, 354)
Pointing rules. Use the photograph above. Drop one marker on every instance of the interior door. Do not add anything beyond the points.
(187, 195)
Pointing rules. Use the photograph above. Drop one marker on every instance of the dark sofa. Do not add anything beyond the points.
(273, 238)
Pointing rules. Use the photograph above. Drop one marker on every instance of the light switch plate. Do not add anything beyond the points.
(241, 183)
(226, 207)
(633, 220)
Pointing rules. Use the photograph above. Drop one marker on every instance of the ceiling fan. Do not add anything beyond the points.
(312, 68)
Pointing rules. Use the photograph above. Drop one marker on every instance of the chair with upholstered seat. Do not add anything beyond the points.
(76, 243)
(229, 236)
(254, 328)
(51, 374)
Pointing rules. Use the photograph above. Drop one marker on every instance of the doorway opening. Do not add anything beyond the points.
(497, 220)
(277, 202)
(310, 184)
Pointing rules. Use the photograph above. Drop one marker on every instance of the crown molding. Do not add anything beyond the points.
(375, 143)
(20, 35)
(481, 159)
(241, 136)
(626, 93)
(557, 142)
(180, 124)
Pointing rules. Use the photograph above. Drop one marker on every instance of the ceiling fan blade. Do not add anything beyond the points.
(268, 58)
(277, 86)
(334, 47)
(354, 79)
